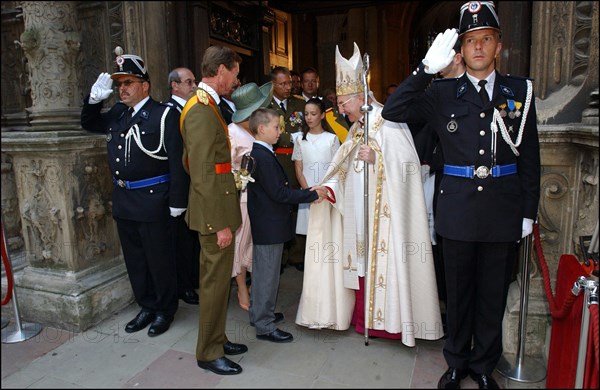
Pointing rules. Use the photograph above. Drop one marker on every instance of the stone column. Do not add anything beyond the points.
(51, 43)
(71, 273)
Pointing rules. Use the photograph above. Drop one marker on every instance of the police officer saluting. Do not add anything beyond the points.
(489, 194)
(144, 156)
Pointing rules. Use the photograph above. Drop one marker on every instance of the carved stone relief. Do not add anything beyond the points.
(15, 81)
(41, 212)
(11, 217)
(564, 68)
(92, 210)
(51, 43)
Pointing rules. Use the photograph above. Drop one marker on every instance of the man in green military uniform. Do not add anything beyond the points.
(214, 207)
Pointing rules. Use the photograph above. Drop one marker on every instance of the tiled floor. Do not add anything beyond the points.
(106, 357)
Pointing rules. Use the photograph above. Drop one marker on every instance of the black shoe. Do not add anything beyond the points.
(190, 297)
(278, 318)
(221, 366)
(276, 336)
(484, 381)
(299, 267)
(160, 325)
(234, 349)
(140, 321)
(451, 378)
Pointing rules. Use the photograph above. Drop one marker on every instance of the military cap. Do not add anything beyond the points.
(477, 15)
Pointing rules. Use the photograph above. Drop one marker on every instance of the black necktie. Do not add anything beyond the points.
(129, 115)
(483, 93)
(282, 106)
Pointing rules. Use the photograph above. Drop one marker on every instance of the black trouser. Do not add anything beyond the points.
(477, 279)
(150, 264)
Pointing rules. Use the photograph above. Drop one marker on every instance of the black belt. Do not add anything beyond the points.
(134, 184)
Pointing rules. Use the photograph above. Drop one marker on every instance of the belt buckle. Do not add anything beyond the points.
(482, 172)
(121, 183)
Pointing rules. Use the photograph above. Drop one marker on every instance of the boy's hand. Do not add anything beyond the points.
(321, 191)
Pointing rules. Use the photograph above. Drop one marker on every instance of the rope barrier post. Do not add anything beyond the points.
(591, 289)
(531, 370)
(22, 330)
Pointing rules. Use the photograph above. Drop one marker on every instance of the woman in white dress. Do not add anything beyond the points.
(313, 151)
(247, 99)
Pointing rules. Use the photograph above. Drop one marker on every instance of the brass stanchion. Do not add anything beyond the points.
(22, 330)
(531, 370)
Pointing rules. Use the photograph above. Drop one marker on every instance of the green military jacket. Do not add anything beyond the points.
(213, 198)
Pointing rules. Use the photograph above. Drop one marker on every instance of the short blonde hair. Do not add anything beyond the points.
(261, 116)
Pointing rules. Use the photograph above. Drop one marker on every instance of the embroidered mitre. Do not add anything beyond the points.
(348, 73)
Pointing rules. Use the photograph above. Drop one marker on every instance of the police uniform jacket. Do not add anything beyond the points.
(270, 199)
(213, 198)
(128, 161)
(487, 209)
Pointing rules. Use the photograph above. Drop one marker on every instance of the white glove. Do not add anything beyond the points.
(527, 227)
(101, 89)
(441, 52)
(244, 179)
(176, 212)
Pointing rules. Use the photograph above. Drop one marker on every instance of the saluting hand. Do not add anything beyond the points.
(441, 53)
(101, 89)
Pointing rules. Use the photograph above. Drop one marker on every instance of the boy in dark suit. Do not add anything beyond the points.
(270, 202)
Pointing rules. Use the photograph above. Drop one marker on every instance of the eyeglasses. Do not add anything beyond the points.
(127, 83)
(344, 103)
(189, 82)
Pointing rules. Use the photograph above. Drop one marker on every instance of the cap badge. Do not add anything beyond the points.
(474, 7)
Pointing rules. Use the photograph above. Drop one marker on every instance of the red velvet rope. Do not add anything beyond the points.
(9, 276)
(568, 303)
(594, 329)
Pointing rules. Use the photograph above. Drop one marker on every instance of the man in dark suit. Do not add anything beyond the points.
(226, 104)
(214, 206)
(270, 200)
(144, 155)
(489, 194)
(186, 246)
(291, 116)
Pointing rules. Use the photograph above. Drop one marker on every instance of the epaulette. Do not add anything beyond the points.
(518, 77)
(203, 96)
(298, 97)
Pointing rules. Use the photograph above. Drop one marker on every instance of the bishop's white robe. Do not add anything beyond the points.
(404, 293)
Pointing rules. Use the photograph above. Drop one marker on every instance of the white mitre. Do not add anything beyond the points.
(348, 73)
